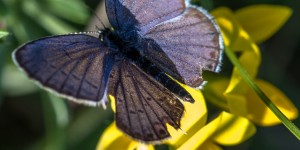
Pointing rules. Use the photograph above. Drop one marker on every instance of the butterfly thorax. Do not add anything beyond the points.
(122, 43)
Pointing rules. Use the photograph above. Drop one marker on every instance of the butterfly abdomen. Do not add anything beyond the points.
(160, 76)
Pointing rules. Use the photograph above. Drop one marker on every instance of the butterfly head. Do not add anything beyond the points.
(121, 42)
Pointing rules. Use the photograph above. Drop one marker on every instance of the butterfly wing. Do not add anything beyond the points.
(76, 66)
(182, 41)
(143, 14)
(143, 105)
(191, 41)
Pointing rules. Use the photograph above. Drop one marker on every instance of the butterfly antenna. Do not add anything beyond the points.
(97, 27)
(95, 14)
(102, 23)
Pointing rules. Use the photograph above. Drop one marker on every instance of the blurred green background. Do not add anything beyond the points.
(31, 118)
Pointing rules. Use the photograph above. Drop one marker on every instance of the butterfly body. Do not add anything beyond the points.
(137, 62)
(120, 41)
(125, 45)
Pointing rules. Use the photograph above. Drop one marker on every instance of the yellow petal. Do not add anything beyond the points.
(237, 104)
(228, 25)
(235, 37)
(113, 138)
(201, 136)
(237, 88)
(226, 129)
(250, 60)
(138, 146)
(214, 92)
(194, 118)
(262, 21)
(258, 111)
(233, 130)
(209, 145)
(112, 103)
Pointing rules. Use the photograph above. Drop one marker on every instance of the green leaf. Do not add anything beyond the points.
(56, 120)
(48, 21)
(16, 83)
(3, 34)
(71, 10)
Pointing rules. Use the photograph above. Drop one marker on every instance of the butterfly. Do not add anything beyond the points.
(151, 43)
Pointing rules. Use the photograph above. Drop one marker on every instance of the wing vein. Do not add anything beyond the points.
(176, 28)
(161, 16)
(188, 45)
(123, 91)
(155, 100)
(183, 35)
(101, 80)
(186, 52)
(139, 93)
(70, 73)
(57, 70)
(84, 74)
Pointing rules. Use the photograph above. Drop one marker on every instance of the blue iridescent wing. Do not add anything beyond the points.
(143, 105)
(191, 41)
(142, 14)
(75, 66)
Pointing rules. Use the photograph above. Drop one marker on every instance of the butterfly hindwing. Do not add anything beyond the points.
(143, 105)
(76, 66)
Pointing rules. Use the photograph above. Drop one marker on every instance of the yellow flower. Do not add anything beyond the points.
(241, 31)
(226, 130)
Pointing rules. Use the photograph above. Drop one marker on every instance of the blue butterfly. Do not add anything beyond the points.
(151, 42)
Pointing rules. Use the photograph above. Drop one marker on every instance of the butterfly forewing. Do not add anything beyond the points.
(182, 41)
(76, 66)
(192, 41)
(144, 14)
(143, 105)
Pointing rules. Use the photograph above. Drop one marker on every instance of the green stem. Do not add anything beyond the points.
(292, 127)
